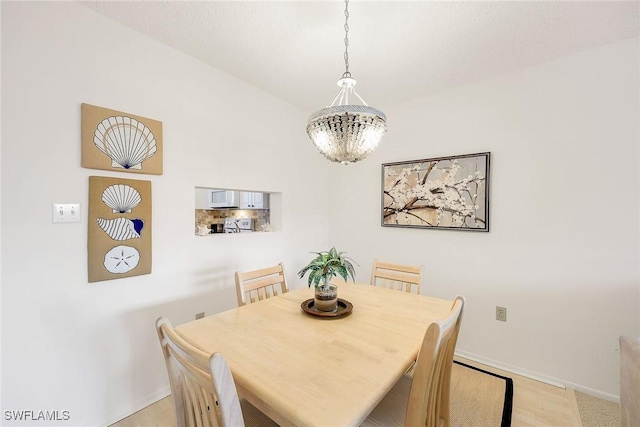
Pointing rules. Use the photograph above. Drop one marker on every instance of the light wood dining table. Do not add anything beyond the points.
(303, 370)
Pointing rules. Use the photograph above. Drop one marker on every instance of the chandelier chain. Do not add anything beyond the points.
(346, 39)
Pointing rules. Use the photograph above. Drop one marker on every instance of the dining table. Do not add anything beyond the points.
(302, 369)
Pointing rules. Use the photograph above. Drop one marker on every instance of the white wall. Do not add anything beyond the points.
(91, 349)
(562, 254)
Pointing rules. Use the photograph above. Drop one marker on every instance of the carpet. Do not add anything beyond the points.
(595, 412)
(480, 398)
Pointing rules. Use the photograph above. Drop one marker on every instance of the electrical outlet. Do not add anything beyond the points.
(501, 313)
(199, 315)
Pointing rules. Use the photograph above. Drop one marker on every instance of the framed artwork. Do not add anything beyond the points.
(449, 193)
(119, 234)
(121, 142)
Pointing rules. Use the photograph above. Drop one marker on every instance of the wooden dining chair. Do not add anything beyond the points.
(422, 398)
(396, 276)
(202, 386)
(260, 284)
(445, 394)
(629, 381)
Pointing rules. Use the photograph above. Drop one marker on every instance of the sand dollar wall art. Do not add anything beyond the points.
(119, 234)
(122, 142)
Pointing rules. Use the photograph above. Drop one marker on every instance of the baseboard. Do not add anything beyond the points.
(537, 376)
(510, 368)
(137, 406)
(593, 392)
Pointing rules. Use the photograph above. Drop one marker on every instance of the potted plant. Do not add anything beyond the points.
(321, 270)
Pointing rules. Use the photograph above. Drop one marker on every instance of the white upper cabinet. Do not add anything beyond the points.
(249, 200)
(202, 198)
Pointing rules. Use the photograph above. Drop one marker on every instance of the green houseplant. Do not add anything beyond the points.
(324, 267)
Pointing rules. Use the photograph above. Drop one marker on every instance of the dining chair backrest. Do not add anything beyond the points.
(444, 408)
(428, 403)
(629, 381)
(202, 386)
(257, 285)
(395, 276)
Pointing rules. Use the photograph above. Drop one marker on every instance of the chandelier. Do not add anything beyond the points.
(344, 132)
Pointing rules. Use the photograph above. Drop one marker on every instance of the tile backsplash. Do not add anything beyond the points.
(217, 216)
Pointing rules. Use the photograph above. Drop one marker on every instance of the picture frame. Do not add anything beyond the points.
(442, 193)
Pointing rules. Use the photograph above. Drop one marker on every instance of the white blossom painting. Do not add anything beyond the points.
(449, 193)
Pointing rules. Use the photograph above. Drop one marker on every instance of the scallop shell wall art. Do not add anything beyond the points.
(119, 215)
(121, 228)
(115, 140)
(126, 141)
(121, 198)
(121, 259)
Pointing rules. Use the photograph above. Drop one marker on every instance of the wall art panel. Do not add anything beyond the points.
(440, 193)
(119, 234)
(123, 142)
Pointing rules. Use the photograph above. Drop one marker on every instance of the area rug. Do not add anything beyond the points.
(595, 412)
(480, 398)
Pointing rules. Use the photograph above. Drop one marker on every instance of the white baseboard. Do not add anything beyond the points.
(593, 392)
(537, 376)
(137, 406)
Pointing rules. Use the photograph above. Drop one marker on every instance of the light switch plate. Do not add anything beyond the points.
(66, 213)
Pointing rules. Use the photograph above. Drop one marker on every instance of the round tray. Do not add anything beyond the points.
(344, 307)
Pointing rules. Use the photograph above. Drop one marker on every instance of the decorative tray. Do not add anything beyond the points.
(344, 307)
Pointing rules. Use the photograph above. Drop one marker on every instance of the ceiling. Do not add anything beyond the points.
(397, 50)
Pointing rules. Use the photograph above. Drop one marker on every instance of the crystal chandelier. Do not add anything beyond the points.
(343, 132)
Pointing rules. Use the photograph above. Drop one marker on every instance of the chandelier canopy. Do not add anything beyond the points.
(344, 132)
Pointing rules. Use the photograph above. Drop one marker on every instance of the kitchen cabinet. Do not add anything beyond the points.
(202, 198)
(250, 200)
